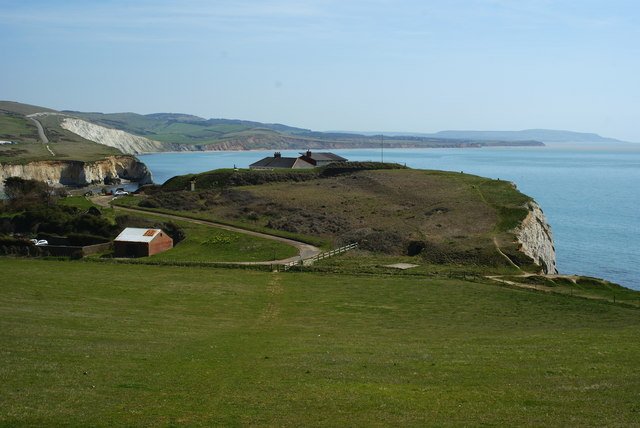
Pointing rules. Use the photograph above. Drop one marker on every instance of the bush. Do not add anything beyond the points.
(150, 203)
(6, 226)
(25, 192)
(93, 225)
(174, 231)
(18, 247)
(81, 239)
(176, 201)
(450, 254)
(45, 218)
(377, 241)
(126, 220)
(414, 248)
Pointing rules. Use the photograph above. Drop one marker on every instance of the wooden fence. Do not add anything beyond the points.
(321, 256)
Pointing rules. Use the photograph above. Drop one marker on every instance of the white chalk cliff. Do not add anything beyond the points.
(77, 173)
(123, 141)
(534, 235)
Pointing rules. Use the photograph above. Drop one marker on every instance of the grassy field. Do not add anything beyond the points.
(14, 126)
(455, 218)
(88, 344)
(209, 244)
(203, 243)
(132, 202)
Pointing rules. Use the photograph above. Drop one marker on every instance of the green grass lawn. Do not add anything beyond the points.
(210, 244)
(87, 344)
(586, 287)
(132, 202)
(78, 201)
(205, 243)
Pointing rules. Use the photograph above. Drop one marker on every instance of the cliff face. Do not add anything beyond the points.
(534, 235)
(123, 141)
(76, 173)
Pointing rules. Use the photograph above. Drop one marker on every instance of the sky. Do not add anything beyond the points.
(374, 65)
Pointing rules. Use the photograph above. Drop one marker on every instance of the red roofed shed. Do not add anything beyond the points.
(136, 242)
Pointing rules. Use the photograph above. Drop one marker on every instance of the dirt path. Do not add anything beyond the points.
(305, 251)
(499, 278)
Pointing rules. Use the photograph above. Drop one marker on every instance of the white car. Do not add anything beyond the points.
(39, 241)
(120, 193)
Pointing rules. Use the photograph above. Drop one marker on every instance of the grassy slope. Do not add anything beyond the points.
(105, 345)
(202, 243)
(459, 213)
(165, 130)
(210, 244)
(66, 145)
(23, 109)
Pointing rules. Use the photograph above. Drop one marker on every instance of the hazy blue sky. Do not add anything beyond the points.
(375, 65)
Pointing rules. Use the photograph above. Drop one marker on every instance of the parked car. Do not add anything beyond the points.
(39, 241)
(120, 193)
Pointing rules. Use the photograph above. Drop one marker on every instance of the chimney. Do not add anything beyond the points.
(308, 153)
(277, 155)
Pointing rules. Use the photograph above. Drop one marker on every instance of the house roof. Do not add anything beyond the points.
(136, 234)
(323, 156)
(277, 162)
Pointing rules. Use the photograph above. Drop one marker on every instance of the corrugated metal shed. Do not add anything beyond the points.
(137, 242)
(136, 234)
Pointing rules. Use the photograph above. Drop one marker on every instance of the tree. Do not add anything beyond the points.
(174, 231)
(22, 192)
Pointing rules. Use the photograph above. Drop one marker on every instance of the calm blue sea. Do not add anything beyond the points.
(591, 196)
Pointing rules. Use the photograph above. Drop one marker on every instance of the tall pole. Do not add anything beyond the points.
(382, 148)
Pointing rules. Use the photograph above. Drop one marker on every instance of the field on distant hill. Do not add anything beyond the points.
(123, 345)
(65, 145)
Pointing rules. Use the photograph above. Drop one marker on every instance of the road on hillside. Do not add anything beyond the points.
(41, 133)
(305, 251)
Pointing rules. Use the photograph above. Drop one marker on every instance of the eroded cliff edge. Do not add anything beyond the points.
(536, 240)
(77, 173)
(123, 141)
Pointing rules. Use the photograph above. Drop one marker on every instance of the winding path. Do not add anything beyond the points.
(305, 251)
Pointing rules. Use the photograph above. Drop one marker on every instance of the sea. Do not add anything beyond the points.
(589, 194)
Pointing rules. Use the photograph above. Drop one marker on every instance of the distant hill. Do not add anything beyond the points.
(544, 135)
(178, 127)
(75, 135)
(189, 132)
